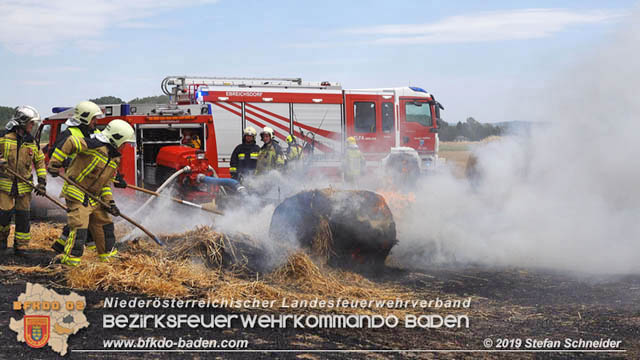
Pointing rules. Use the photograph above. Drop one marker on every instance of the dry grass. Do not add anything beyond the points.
(204, 264)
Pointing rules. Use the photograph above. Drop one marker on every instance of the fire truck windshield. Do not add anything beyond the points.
(419, 112)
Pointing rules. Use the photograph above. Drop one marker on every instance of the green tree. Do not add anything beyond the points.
(107, 100)
(160, 99)
(5, 115)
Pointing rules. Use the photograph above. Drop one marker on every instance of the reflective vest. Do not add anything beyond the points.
(354, 162)
(269, 158)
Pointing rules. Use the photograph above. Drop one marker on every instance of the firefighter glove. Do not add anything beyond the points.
(54, 171)
(119, 182)
(113, 209)
(41, 188)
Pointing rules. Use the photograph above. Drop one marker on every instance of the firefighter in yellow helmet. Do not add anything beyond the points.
(294, 154)
(82, 124)
(94, 167)
(353, 164)
(18, 151)
(270, 156)
(245, 156)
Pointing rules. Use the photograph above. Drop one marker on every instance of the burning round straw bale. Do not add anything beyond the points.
(345, 227)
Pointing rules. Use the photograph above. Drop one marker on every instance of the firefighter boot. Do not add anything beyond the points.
(5, 229)
(74, 247)
(58, 245)
(4, 238)
(22, 235)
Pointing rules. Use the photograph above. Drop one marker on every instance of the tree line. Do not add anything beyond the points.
(470, 130)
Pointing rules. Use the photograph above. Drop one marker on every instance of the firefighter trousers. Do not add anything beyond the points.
(19, 205)
(81, 221)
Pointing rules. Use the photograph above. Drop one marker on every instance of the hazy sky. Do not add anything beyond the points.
(482, 59)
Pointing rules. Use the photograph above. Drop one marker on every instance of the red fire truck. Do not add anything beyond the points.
(321, 115)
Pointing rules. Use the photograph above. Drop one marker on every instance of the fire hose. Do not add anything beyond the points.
(184, 202)
(23, 179)
(99, 201)
(164, 184)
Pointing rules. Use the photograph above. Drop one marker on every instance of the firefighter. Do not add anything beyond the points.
(294, 154)
(354, 163)
(270, 156)
(82, 124)
(19, 153)
(245, 155)
(191, 139)
(94, 167)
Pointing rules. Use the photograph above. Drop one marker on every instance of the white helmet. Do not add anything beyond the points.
(249, 130)
(85, 111)
(22, 116)
(267, 130)
(118, 132)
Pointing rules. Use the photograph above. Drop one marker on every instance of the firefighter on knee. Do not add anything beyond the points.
(245, 156)
(94, 167)
(270, 156)
(19, 152)
(354, 163)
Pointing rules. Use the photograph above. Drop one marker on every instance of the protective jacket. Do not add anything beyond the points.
(354, 163)
(244, 159)
(80, 131)
(94, 167)
(21, 154)
(270, 158)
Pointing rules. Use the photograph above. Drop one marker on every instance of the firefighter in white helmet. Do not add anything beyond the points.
(270, 156)
(245, 156)
(353, 164)
(19, 152)
(94, 167)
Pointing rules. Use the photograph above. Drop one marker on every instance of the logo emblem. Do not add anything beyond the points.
(36, 330)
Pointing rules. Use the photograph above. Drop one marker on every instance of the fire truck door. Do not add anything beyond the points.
(363, 122)
(416, 121)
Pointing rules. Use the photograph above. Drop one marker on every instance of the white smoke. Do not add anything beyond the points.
(564, 196)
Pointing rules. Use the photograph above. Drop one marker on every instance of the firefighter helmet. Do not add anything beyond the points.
(85, 111)
(351, 140)
(267, 130)
(118, 132)
(249, 130)
(291, 139)
(24, 114)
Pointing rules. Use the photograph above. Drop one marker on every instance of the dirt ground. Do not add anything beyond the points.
(506, 303)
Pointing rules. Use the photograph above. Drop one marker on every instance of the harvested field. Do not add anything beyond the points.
(505, 302)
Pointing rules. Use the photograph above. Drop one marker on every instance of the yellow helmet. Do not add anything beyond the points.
(267, 130)
(85, 111)
(249, 130)
(351, 140)
(118, 132)
(290, 139)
